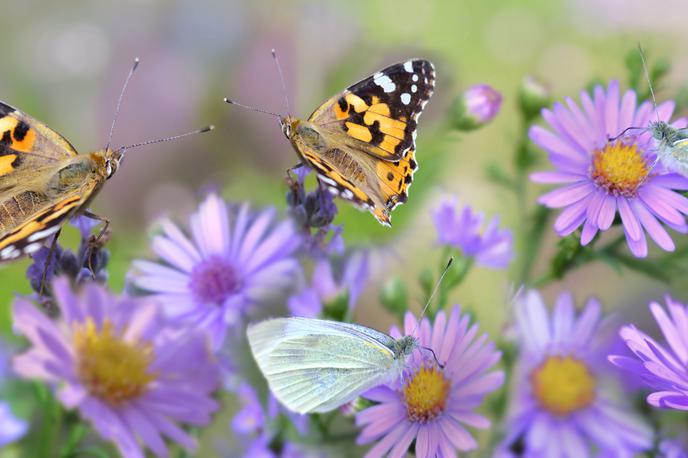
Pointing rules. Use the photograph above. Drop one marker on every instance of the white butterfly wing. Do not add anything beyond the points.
(317, 365)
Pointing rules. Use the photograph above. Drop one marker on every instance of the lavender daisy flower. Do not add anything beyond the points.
(433, 406)
(490, 247)
(135, 378)
(561, 407)
(325, 288)
(233, 261)
(600, 177)
(660, 367)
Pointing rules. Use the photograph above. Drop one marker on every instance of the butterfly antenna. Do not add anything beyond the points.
(647, 77)
(281, 75)
(167, 139)
(432, 295)
(259, 110)
(119, 102)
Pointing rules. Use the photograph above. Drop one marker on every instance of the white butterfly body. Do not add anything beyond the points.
(316, 365)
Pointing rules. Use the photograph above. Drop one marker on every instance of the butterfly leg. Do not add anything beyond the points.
(102, 219)
(291, 182)
(96, 241)
(51, 253)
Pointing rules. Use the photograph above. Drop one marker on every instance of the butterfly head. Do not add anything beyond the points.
(404, 346)
(661, 131)
(113, 158)
(107, 161)
(288, 124)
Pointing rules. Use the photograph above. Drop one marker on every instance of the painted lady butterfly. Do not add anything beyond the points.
(362, 142)
(44, 181)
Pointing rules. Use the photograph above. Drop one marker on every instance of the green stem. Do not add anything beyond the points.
(49, 435)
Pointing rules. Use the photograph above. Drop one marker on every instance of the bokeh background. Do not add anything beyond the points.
(64, 62)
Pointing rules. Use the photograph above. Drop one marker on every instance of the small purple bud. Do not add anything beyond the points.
(477, 106)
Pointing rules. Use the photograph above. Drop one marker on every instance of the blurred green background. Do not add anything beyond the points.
(64, 62)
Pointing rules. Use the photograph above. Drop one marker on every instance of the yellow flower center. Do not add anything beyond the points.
(426, 394)
(111, 368)
(563, 385)
(619, 168)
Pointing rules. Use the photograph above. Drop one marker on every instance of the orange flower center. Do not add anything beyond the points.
(111, 368)
(426, 394)
(619, 168)
(563, 385)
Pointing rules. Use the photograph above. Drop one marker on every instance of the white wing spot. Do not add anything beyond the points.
(405, 98)
(414, 88)
(43, 234)
(385, 82)
(32, 248)
(347, 194)
(327, 180)
(414, 78)
(9, 252)
(408, 66)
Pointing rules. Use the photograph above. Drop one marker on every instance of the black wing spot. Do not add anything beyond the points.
(390, 176)
(413, 164)
(20, 131)
(378, 136)
(343, 104)
(6, 138)
(408, 178)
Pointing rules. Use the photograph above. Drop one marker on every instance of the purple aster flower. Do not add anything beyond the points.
(325, 288)
(490, 247)
(431, 405)
(563, 405)
(134, 377)
(477, 106)
(600, 177)
(661, 367)
(233, 261)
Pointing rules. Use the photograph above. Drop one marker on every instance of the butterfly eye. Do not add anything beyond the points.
(286, 129)
(109, 170)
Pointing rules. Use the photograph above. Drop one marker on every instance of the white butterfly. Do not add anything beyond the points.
(317, 365)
